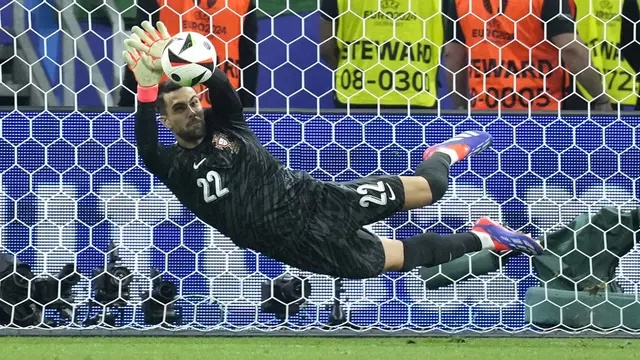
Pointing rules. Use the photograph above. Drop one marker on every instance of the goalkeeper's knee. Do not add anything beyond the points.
(436, 171)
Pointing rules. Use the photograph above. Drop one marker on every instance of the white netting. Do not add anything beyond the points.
(72, 186)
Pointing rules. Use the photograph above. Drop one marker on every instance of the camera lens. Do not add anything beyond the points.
(292, 290)
(22, 275)
(164, 292)
(119, 275)
(167, 290)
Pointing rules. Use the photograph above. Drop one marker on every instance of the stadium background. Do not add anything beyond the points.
(71, 181)
(288, 34)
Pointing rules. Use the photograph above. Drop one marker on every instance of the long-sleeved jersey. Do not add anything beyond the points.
(230, 181)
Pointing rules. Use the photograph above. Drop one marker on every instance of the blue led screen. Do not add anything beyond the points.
(72, 182)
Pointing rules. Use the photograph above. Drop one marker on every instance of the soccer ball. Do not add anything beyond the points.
(189, 58)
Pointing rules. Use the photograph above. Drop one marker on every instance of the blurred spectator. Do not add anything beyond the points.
(600, 25)
(231, 25)
(630, 41)
(510, 57)
(384, 53)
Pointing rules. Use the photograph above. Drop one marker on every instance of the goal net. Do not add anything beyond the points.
(88, 235)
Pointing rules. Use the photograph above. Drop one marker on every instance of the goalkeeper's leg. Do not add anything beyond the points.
(431, 178)
(335, 248)
(431, 249)
(429, 185)
(361, 254)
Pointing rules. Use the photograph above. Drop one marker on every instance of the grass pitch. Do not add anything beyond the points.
(304, 348)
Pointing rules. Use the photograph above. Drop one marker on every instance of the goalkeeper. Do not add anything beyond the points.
(220, 171)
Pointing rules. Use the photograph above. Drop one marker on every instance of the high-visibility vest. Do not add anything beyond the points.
(504, 73)
(389, 52)
(220, 21)
(599, 24)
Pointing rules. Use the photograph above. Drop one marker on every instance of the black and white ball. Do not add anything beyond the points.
(189, 58)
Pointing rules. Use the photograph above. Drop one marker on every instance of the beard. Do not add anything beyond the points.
(194, 130)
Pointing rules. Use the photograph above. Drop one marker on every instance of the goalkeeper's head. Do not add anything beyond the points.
(181, 112)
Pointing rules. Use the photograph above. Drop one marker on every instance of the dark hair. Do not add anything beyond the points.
(165, 88)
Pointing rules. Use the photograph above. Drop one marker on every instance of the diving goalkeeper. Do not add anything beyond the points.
(220, 171)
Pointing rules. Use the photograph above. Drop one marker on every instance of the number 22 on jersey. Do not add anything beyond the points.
(379, 188)
(212, 179)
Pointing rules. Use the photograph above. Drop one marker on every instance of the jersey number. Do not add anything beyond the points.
(378, 187)
(205, 183)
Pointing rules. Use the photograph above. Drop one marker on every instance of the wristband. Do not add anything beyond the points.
(147, 94)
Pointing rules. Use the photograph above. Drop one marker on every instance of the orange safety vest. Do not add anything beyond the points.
(220, 20)
(512, 65)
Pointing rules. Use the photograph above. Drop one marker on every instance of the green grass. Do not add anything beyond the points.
(210, 348)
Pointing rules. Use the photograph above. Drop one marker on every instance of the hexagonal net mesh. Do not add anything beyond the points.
(91, 239)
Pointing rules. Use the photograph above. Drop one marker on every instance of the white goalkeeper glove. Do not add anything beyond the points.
(143, 52)
(151, 41)
(140, 64)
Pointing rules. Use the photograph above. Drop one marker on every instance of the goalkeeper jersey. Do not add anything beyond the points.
(230, 181)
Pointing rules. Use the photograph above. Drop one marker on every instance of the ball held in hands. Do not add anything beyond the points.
(189, 58)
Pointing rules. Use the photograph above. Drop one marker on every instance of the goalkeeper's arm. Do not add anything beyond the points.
(226, 106)
(139, 55)
(153, 153)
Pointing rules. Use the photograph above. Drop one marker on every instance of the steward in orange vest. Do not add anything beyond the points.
(629, 43)
(230, 25)
(511, 56)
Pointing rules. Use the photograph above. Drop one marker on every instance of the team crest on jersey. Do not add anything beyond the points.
(221, 141)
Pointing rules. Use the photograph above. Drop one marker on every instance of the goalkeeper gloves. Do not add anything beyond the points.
(143, 52)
